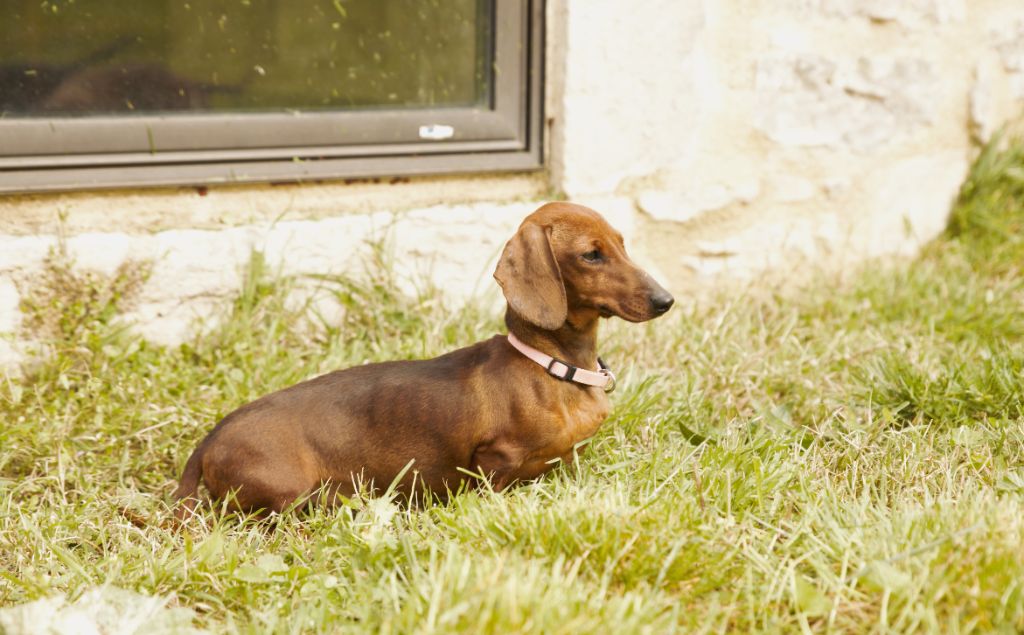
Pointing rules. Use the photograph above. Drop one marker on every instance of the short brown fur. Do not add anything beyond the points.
(484, 409)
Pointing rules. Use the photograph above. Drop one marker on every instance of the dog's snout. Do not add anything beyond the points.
(661, 302)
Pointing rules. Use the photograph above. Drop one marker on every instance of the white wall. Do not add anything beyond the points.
(754, 134)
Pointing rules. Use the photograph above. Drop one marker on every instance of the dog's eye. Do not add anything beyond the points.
(593, 256)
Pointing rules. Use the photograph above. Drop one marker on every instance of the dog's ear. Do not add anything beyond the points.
(530, 278)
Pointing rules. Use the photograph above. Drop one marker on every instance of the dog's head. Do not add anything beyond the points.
(567, 263)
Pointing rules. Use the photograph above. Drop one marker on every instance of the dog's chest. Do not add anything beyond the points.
(586, 417)
(557, 438)
(577, 419)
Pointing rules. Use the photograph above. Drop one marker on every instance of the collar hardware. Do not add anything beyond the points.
(602, 378)
(569, 373)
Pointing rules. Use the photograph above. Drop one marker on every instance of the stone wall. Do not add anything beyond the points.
(725, 138)
(755, 134)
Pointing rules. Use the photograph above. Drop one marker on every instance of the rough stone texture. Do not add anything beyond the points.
(10, 322)
(984, 117)
(764, 245)
(690, 195)
(909, 13)
(631, 76)
(861, 104)
(793, 189)
(20, 257)
(150, 210)
(23, 252)
(195, 271)
(10, 317)
(818, 132)
(917, 193)
(105, 609)
(1009, 36)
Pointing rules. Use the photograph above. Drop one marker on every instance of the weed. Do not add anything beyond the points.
(76, 308)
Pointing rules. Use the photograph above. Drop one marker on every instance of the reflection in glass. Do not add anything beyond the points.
(78, 57)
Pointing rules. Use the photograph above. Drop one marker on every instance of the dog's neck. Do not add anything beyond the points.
(574, 342)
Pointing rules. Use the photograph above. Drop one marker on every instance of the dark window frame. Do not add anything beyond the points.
(41, 154)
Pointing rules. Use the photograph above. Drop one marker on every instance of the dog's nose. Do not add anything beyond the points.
(662, 302)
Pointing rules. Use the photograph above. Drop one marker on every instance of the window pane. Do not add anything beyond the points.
(79, 57)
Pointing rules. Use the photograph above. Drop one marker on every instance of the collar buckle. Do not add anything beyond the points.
(570, 371)
(607, 372)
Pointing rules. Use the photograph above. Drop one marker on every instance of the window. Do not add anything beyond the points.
(122, 92)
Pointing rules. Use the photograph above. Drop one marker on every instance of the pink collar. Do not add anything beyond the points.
(602, 378)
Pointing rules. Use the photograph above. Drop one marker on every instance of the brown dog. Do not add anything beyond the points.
(486, 409)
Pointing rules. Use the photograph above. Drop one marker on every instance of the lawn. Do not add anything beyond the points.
(848, 456)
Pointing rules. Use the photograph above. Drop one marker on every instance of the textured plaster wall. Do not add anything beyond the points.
(754, 135)
(446, 231)
(726, 138)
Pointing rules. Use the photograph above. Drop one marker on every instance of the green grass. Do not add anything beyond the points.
(846, 457)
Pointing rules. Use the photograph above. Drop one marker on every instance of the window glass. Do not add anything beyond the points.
(66, 58)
